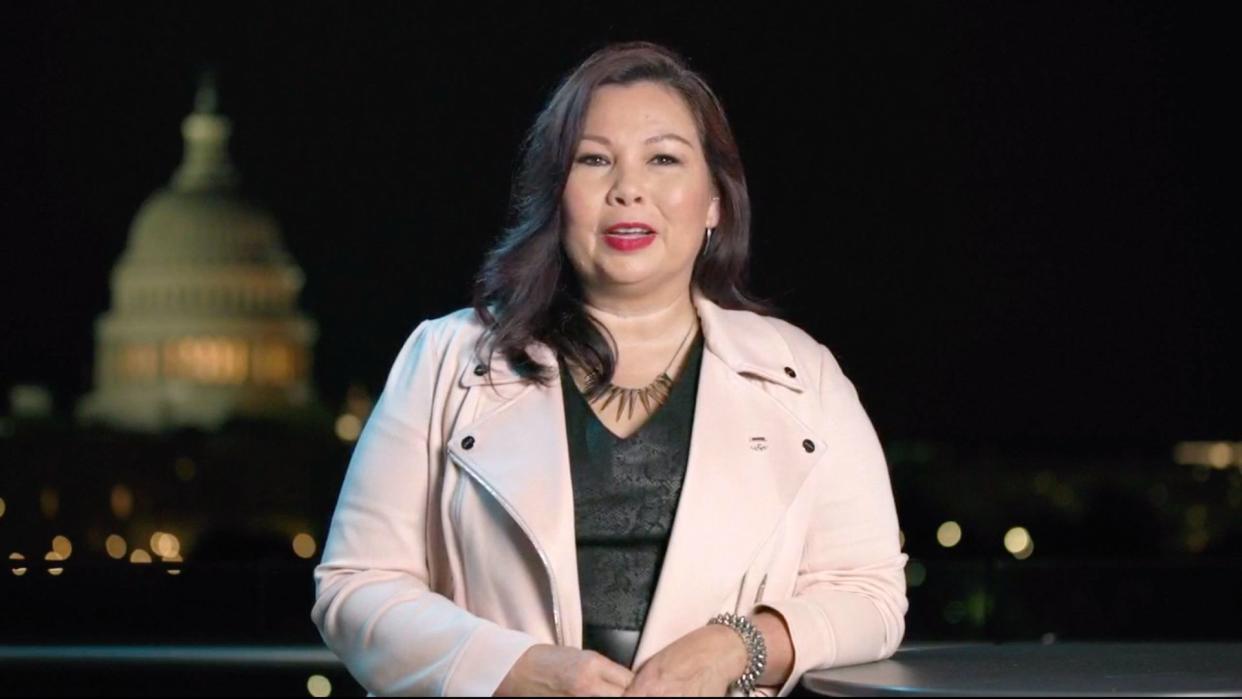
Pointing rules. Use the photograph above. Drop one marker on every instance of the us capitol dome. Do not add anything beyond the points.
(204, 324)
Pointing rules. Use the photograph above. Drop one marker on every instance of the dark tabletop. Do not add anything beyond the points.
(1078, 668)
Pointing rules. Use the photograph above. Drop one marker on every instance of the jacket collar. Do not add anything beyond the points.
(733, 495)
(746, 342)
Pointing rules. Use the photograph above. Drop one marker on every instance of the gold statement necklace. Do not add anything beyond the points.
(651, 396)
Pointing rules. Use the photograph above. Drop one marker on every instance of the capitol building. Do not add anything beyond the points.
(204, 324)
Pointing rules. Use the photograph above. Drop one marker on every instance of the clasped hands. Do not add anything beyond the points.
(701, 663)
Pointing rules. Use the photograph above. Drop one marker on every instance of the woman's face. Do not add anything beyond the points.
(640, 163)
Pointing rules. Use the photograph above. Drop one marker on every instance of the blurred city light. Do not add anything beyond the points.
(122, 501)
(304, 545)
(1018, 542)
(319, 686)
(916, 573)
(30, 401)
(115, 546)
(165, 545)
(62, 546)
(348, 427)
(949, 534)
(1216, 455)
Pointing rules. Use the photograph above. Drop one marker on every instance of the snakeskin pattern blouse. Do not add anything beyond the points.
(625, 497)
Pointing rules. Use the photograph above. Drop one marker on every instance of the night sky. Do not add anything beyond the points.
(1013, 224)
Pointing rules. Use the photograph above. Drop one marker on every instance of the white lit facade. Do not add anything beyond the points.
(204, 324)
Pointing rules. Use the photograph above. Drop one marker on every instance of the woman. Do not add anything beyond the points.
(617, 473)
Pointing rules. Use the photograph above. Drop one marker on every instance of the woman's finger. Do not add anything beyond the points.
(617, 674)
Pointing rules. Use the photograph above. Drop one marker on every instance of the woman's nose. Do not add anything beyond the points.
(626, 190)
(627, 199)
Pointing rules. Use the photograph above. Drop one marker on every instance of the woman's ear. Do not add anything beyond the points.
(713, 212)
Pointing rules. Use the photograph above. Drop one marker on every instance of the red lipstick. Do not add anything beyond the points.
(629, 235)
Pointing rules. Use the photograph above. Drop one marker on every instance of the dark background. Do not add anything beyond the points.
(1013, 223)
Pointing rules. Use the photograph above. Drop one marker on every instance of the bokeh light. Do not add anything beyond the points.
(348, 427)
(319, 686)
(949, 534)
(916, 573)
(304, 545)
(115, 546)
(165, 545)
(1018, 541)
(62, 546)
(122, 501)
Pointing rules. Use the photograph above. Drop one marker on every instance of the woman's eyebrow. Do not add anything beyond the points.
(653, 139)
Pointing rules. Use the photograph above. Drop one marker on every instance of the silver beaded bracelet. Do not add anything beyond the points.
(756, 649)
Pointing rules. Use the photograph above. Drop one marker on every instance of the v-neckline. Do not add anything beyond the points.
(568, 381)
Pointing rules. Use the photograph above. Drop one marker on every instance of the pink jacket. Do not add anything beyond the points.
(452, 549)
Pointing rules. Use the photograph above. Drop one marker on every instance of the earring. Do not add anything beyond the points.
(709, 240)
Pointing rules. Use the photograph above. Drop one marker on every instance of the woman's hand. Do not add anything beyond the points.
(700, 664)
(559, 671)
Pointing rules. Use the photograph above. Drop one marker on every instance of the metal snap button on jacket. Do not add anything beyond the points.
(480, 369)
(497, 515)
(792, 374)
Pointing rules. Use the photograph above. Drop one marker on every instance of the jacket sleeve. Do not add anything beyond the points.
(849, 600)
(373, 606)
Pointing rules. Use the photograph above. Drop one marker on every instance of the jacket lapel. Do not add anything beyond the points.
(520, 452)
(732, 498)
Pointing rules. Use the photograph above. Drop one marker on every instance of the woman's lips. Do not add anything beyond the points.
(628, 243)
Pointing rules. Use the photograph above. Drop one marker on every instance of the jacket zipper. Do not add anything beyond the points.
(737, 607)
(556, 607)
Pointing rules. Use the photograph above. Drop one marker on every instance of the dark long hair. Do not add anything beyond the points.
(527, 290)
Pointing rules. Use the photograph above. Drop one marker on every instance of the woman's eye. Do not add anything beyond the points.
(663, 159)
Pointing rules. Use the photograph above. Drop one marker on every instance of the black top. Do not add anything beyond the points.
(625, 497)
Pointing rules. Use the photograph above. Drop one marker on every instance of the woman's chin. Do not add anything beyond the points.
(625, 285)
(626, 272)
